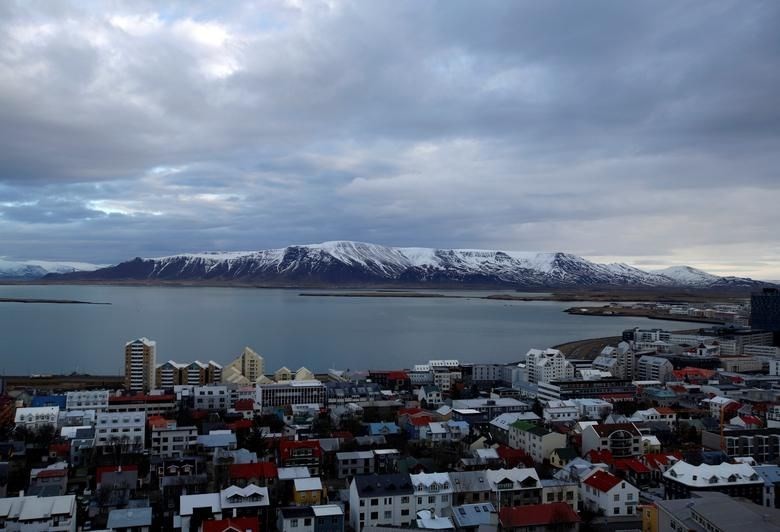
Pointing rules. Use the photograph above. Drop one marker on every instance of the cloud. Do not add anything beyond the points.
(641, 131)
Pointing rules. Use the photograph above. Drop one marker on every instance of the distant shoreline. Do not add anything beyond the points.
(51, 301)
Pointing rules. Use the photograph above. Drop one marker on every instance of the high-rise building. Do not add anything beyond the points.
(248, 368)
(172, 373)
(545, 365)
(140, 364)
(765, 311)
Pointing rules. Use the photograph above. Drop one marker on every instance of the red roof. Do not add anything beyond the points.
(689, 372)
(142, 398)
(244, 404)
(52, 473)
(420, 421)
(112, 469)
(159, 422)
(240, 424)
(256, 470)
(538, 515)
(513, 457)
(240, 524)
(665, 410)
(60, 448)
(656, 460)
(751, 420)
(631, 464)
(602, 481)
(600, 457)
(398, 375)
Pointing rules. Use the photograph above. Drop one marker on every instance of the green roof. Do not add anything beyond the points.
(523, 425)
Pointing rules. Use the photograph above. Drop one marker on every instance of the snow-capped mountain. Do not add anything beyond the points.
(34, 269)
(348, 263)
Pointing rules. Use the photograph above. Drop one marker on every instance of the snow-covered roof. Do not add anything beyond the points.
(706, 475)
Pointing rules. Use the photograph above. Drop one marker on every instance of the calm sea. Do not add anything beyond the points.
(286, 328)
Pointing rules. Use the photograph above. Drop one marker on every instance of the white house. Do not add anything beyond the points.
(446, 431)
(381, 500)
(546, 365)
(514, 487)
(536, 441)
(210, 397)
(593, 408)
(716, 404)
(87, 400)
(433, 492)
(227, 503)
(660, 413)
(36, 417)
(171, 441)
(559, 410)
(126, 428)
(602, 492)
(431, 395)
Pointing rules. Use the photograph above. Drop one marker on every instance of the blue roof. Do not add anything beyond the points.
(48, 400)
(130, 517)
(383, 428)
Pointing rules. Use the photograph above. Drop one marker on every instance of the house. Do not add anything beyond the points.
(562, 456)
(354, 463)
(385, 500)
(429, 396)
(661, 414)
(432, 492)
(232, 524)
(621, 439)
(469, 487)
(443, 432)
(557, 516)
(592, 408)
(604, 493)
(559, 410)
(383, 429)
(308, 491)
(514, 487)
(558, 490)
(717, 405)
(35, 418)
(474, 516)
(321, 518)
(30, 512)
(735, 480)
(130, 520)
(258, 473)
(233, 501)
(305, 453)
(500, 425)
(714, 511)
(538, 442)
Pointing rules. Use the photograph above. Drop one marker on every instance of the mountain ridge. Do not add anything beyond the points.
(348, 263)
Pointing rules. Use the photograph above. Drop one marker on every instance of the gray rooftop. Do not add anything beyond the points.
(130, 517)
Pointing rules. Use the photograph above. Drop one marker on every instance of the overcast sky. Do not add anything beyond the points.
(645, 132)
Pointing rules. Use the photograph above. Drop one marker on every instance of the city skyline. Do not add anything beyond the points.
(622, 132)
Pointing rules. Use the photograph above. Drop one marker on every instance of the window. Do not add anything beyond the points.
(617, 497)
(419, 500)
(431, 499)
(307, 521)
(294, 523)
(404, 500)
(388, 514)
(374, 515)
(550, 497)
(374, 502)
(404, 513)
(630, 497)
(616, 510)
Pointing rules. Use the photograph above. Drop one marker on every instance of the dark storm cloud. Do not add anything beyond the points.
(639, 130)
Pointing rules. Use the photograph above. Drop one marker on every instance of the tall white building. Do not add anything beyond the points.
(546, 365)
(87, 400)
(140, 364)
(125, 428)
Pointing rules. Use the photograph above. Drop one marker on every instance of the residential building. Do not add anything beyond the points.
(140, 365)
(123, 428)
(148, 404)
(308, 491)
(430, 396)
(621, 439)
(470, 487)
(607, 388)
(514, 487)
(593, 409)
(291, 392)
(557, 410)
(604, 493)
(197, 373)
(170, 440)
(32, 513)
(37, 417)
(432, 492)
(735, 480)
(444, 432)
(303, 453)
(354, 463)
(475, 516)
(87, 400)
(501, 425)
(661, 414)
(538, 442)
(653, 368)
(618, 361)
(130, 520)
(546, 365)
(233, 501)
(210, 397)
(557, 516)
(708, 511)
(381, 500)
(248, 368)
(557, 490)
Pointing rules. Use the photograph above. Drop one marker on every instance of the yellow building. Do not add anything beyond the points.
(649, 517)
(308, 491)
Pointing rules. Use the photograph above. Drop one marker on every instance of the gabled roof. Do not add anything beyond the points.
(602, 481)
(258, 470)
(538, 515)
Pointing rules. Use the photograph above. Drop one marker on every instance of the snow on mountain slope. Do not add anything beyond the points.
(33, 269)
(349, 263)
